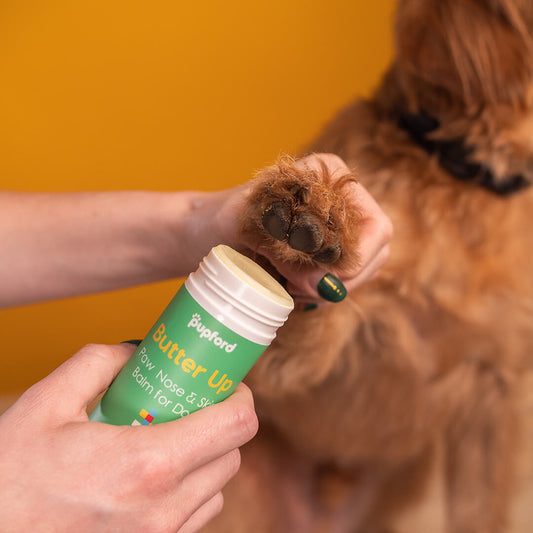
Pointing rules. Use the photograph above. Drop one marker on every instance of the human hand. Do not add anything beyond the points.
(60, 472)
(303, 281)
(306, 283)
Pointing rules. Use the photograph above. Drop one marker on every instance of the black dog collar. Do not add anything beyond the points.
(453, 156)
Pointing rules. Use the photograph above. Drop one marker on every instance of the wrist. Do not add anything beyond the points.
(194, 222)
(205, 225)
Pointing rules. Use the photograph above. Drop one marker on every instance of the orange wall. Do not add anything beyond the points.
(161, 95)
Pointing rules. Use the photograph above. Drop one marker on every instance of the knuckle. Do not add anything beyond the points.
(330, 159)
(95, 348)
(245, 418)
(385, 229)
(154, 476)
(319, 160)
(155, 523)
(101, 352)
(105, 357)
(149, 476)
(336, 161)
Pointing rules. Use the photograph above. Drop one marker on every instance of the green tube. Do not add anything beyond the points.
(209, 336)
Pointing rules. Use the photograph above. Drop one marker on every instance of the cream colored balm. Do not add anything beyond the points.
(206, 340)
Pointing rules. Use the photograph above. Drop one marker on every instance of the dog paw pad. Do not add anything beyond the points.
(330, 254)
(306, 236)
(276, 220)
(300, 215)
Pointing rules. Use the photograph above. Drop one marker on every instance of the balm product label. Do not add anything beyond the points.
(207, 339)
(188, 360)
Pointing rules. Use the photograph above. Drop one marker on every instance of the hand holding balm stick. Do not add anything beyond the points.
(212, 332)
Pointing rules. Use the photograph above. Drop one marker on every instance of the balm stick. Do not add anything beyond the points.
(212, 332)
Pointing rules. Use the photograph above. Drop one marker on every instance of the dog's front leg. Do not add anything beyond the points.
(297, 214)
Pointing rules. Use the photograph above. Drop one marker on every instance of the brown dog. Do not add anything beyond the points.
(354, 398)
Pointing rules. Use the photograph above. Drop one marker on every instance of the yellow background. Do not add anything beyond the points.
(161, 95)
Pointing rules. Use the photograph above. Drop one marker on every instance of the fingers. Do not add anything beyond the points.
(376, 228)
(177, 469)
(336, 166)
(74, 384)
(204, 514)
(315, 285)
(205, 435)
(191, 441)
(192, 459)
(370, 270)
(339, 286)
(202, 485)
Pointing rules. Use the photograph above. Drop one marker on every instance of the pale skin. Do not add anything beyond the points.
(59, 471)
(96, 241)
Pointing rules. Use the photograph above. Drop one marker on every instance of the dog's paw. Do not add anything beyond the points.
(301, 215)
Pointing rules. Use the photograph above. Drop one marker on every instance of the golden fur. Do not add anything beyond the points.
(356, 398)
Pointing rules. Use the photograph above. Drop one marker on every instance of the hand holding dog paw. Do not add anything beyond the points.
(372, 251)
(58, 471)
(309, 219)
(317, 226)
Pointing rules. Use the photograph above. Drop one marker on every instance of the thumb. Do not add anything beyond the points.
(80, 379)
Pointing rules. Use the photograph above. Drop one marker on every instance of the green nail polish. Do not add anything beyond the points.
(310, 307)
(331, 288)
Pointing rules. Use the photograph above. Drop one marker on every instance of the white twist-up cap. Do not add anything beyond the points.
(240, 294)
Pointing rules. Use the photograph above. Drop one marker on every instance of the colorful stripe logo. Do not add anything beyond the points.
(147, 418)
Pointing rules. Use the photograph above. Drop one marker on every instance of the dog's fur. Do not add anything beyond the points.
(353, 397)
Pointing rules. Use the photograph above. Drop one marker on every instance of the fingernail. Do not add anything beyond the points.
(310, 307)
(136, 342)
(331, 288)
